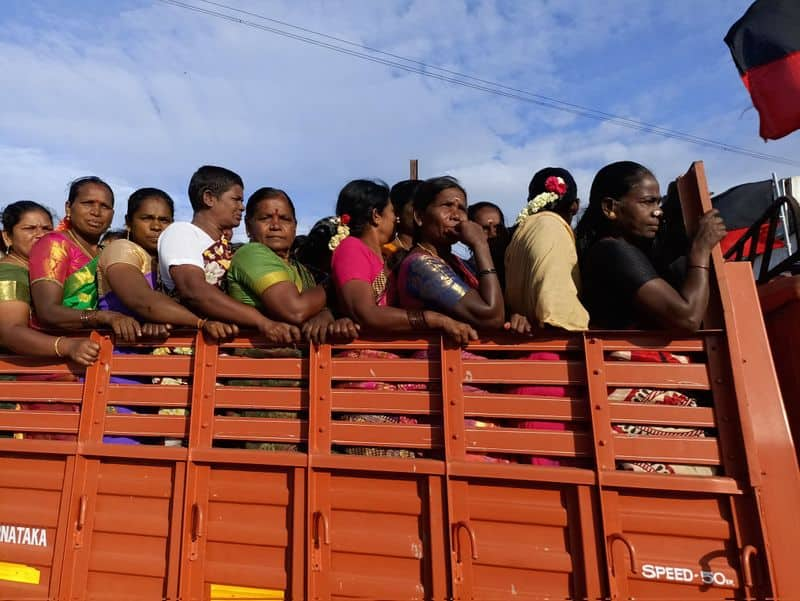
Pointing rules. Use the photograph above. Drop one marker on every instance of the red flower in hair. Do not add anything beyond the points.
(555, 184)
(345, 219)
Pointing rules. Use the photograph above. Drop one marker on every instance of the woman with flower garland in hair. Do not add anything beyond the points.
(364, 286)
(63, 265)
(543, 281)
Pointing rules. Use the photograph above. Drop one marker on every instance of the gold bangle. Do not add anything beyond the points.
(201, 322)
(55, 347)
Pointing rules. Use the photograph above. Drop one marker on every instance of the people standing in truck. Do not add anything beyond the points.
(24, 223)
(432, 277)
(263, 274)
(127, 269)
(490, 217)
(363, 282)
(624, 287)
(194, 257)
(543, 281)
(63, 265)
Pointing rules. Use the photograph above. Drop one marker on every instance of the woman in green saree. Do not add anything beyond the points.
(63, 265)
(262, 274)
(24, 223)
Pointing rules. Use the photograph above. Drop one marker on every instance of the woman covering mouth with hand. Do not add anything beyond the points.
(432, 277)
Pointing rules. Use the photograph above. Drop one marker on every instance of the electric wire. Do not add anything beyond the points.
(457, 78)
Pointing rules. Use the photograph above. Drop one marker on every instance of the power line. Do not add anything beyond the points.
(454, 77)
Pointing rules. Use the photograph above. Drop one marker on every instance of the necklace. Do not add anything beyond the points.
(400, 243)
(19, 261)
(83, 248)
(431, 251)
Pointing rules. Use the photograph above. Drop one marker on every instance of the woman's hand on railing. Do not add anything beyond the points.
(519, 324)
(462, 333)
(125, 327)
(277, 331)
(156, 330)
(217, 330)
(315, 328)
(343, 328)
(81, 350)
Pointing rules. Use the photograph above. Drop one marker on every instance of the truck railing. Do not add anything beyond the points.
(406, 468)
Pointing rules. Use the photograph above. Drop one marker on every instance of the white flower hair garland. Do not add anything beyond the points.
(555, 187)
(342, 231)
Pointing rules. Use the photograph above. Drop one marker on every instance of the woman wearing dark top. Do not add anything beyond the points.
(623, 286)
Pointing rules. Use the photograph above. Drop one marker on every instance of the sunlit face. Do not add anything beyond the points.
(489, 219)
(91, 212)
(227, 208)
(146, 224)
(442, 216)
(32, 226)
(273, 224)
(638, 214)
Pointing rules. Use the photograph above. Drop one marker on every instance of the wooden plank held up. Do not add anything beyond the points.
(772, 463)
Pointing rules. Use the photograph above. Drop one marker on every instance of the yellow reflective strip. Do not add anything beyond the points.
(18, 572)
(223, 592)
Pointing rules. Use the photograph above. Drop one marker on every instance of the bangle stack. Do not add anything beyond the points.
(416, 320)
(55, 347)
(201, 322)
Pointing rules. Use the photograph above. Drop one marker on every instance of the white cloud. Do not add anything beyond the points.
(145, 96)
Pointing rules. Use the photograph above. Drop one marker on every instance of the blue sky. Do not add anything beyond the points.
(141, 93)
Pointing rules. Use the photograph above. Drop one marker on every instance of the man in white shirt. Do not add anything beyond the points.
(194, 257)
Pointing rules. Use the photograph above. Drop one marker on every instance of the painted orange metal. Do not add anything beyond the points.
(212, 515)
(780, 303)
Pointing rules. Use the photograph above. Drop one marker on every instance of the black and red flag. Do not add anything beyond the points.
(765, 44)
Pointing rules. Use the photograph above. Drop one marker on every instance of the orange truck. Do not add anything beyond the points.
(463, 513)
